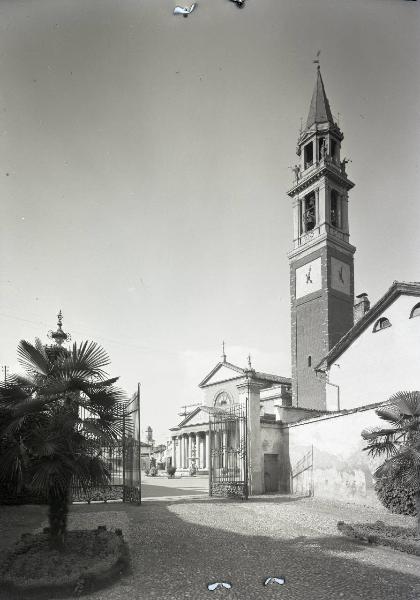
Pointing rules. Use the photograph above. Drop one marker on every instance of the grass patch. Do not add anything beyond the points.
(90, 560)
(404, 539)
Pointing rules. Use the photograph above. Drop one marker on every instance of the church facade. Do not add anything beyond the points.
(346, 357)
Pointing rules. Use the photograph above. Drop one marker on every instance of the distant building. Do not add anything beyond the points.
(221, 388)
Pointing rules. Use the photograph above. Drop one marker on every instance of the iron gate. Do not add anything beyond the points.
(301, 476)
(122, 459)
(228, 469)
(131, 447)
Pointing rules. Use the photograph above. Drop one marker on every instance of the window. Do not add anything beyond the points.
(308, 214)
(308, 154)
(309, 361)
(333, 145)
(415, 312)
(381, 323)
(335, 209)
(223, 400)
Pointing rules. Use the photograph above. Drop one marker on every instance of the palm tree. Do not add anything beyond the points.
(400, 442)
(46, 445)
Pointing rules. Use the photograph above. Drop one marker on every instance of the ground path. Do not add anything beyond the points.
(178, 546)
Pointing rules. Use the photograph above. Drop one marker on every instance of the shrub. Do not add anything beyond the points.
(171, 471)
(153, 472)
(395, 496)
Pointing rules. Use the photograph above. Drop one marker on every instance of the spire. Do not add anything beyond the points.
(319, 111)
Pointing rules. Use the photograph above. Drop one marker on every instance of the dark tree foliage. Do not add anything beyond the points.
(400, 444)
(54, 421)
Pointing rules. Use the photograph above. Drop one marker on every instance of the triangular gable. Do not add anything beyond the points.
(223, 371)
(196, 417)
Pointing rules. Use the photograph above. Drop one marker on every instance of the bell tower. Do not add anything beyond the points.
(321, 261)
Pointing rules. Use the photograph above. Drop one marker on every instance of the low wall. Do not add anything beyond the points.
(341, 469)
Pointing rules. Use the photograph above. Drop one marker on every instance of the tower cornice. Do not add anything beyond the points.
(327, 169)
(320, 241)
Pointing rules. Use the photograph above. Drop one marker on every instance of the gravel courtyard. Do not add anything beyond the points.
(177, 547)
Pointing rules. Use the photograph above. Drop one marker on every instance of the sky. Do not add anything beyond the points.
(144, 167)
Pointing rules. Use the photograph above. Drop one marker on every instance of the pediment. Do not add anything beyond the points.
(199, 416)
(222, 372)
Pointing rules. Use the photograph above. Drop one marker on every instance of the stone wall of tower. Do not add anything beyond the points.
(318, 321)
(309, 337)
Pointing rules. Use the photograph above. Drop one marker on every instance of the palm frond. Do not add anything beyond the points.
(379, 448)
(90, 471)
(12, 393)
(33, 358)
(392, 415)
(408, 403)
(12, 465)
(50, 476)
(87, 361)
(90, 387)
(373, 433)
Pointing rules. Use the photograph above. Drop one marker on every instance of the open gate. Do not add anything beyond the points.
(122, 458)
(131, 447)
(228, 469)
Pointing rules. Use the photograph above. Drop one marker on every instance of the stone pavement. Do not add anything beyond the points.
(168, 488)
(178, 547)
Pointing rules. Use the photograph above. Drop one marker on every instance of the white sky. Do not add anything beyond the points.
(144, 164)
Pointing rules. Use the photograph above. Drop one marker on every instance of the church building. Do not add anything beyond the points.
(347, 358)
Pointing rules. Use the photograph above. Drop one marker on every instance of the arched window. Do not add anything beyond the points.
(415, 311)
(381, 323)
(223, 400)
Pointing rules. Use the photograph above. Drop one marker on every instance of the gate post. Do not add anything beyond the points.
(249, 393)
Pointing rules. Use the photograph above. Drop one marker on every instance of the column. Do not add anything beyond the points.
(174, 461)
(322, 203)
(198, 449)
(203, 451)
(249, 392)
(208, 450)
(178, 452)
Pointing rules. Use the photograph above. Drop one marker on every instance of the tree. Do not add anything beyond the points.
(46, 444)
(400, 442)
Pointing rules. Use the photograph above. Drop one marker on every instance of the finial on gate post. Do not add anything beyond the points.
(249, 362)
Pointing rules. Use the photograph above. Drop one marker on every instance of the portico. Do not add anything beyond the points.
(191, 447)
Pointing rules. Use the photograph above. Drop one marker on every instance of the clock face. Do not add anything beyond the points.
(340, 275)
(308, 278)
